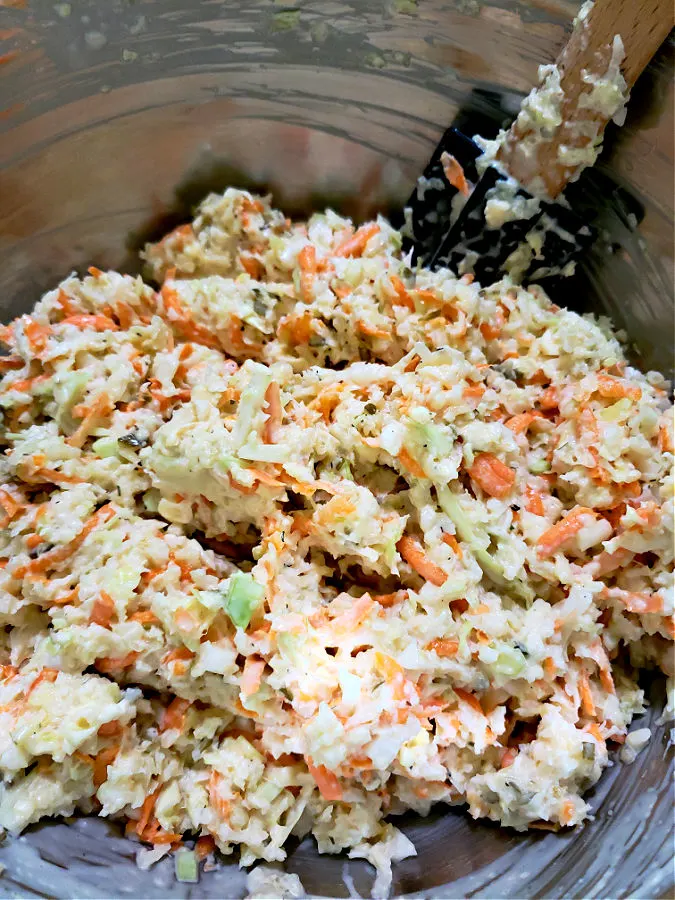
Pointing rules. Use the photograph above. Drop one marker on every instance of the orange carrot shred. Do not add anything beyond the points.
(45, 675)
(410, 463)
(454, 173)
(110, 729)
(444, 647)
(205, 846)
(356, 244)
(414, 555)
(493, 476)
(110, 665)
(274, 413)
(469, 698)
(252, 675)
(97, 323)
(103, 759)
(402, 295)
(554, 538)
(103, 610)
(308, 269)
(452, 542)
(173, 717)
(326, 781)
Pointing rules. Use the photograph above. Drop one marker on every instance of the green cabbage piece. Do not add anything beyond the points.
(509, 662)
(244, 596)
(187, 867)
(105, 447)
(430, 437)
(478, 540)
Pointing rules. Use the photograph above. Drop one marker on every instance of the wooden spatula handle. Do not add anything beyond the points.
(642, 25)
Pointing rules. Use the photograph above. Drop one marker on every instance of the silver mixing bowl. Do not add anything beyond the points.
(117, 116)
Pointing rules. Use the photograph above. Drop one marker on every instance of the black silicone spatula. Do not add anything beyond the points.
(458, 216)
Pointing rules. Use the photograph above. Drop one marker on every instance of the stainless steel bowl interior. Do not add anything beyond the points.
(115, 118)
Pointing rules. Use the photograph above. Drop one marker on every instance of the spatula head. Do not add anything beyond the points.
(444, 229)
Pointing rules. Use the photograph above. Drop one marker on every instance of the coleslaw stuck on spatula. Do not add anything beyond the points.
(305, 538)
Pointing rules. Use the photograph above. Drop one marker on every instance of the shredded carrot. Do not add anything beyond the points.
(520, 423)
(173, 717)
(635, 601)
(179, 236)
(410, 463)
(126, 316)
(70, 597)
(99, 410)
(177, 658)
(205, 846)
(96, 323)
(493, 476)
(585, 695)
(453, 543)
(252, 675)
(144, 617)
(388, 600)
(147, 810)
(252, 266)
(178, 315)
(402, 295)
(37, 335)
(153, 834)
(548, 399)
(257, 475)
(606, 680)
(25, 385)
(534, 502)
(103, 759)
(248, 204)
(60, 554)
(186, 622)
(298, 328)
(103, 610)
(337, 508)
(8, 363)
(557, 535)
(372, 330)
(110, 729)
(594, 729)
(550, 667)
(604, 562)
(414, 555)
(508, 757)
(274, 413)
(218, 802)
(567, 813)
(53, 476)
(11, 506)
(665, 439)
(469, 698)
(326, 781)
(307, 264)
(454, 173)
(474, 391)
(444, 647)
(110, 665)
(45, 675)
(353, 617)
(356, 244)
(428, 296)
(614, 389)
